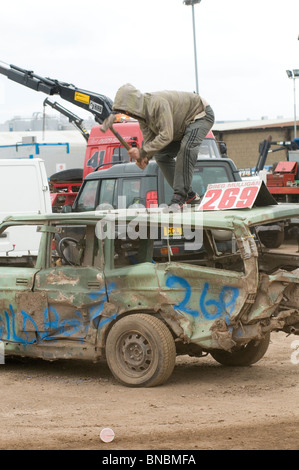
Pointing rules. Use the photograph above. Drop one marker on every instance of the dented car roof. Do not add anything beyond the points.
(225, 219)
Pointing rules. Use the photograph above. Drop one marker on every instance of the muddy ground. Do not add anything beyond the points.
(65, 405)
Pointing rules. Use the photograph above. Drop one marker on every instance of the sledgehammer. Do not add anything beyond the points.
(108, 124)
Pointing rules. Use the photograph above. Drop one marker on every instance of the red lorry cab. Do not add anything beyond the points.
(104, 149)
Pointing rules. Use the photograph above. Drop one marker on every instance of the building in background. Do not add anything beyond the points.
(243, 138)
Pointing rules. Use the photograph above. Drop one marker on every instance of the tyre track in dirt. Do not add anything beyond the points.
(64, 405)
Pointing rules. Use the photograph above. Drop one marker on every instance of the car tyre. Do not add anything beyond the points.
(140, 351)
(244, 356)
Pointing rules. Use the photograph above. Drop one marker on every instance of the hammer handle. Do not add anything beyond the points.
(119, 137)
(122, 141)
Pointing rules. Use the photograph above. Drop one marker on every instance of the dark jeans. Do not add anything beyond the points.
(179, 172)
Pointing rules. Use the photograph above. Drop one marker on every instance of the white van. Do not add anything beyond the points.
(24, 190)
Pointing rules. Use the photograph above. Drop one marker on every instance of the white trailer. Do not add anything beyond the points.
(24, 189)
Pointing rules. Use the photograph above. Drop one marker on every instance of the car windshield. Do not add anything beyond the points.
(203, 176)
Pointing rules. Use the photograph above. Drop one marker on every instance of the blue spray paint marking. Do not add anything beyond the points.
(175, 280)
(7, 324)
(67, 327)
(107, 320)
(221, 305)
(2, 326)
(96, 311)
(26, 318)
(13, 324)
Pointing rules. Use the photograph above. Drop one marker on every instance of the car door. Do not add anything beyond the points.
(73, 285)
(214, 292)
(19, 314)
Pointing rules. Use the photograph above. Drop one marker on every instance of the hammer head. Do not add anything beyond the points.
(108, 123)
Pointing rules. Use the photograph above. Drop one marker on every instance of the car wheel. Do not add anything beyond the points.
(140, 351)
(244, 356)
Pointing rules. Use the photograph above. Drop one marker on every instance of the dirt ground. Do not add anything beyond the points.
(65, 405)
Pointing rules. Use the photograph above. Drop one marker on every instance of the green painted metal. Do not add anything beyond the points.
(55, 310)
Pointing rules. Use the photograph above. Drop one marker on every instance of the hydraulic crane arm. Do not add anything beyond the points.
(99, 105)
(76, 120)
(264, 150)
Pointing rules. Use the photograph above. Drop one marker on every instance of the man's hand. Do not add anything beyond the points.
(135, 154)
(142, 163)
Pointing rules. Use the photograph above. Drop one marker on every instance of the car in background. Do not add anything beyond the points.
(125, 185)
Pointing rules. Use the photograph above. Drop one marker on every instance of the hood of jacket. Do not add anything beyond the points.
(129, 100)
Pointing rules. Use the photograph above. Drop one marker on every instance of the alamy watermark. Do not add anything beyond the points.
(154, 223)
(295, 354)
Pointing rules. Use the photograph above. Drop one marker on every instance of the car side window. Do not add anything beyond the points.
(87, 200)
(108, 192)
(131, 191)
(75, 245)
(126, 252)
(19, 245)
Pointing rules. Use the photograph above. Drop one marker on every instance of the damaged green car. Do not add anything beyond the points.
(95, 292)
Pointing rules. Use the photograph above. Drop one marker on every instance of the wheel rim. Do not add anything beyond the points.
(135, 353)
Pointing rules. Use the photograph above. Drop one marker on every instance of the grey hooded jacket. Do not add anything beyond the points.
(163, 116)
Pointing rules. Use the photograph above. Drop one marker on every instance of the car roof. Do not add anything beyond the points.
(122, 169)
(131, 169)
(223, 219)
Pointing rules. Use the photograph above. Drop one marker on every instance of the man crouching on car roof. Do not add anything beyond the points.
(173, 124)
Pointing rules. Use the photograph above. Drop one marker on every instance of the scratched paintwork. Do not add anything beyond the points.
(67, 311)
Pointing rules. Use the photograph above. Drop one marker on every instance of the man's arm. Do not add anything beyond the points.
(161, 120)
(141, 161)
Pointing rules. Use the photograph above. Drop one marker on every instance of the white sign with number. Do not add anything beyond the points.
(223, 196)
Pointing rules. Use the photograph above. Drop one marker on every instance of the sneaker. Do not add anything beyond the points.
(177, 202)
(193, 199)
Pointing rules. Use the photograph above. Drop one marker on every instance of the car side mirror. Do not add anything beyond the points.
(223, 149)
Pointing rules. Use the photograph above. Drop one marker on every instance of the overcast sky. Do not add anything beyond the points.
(244, 48)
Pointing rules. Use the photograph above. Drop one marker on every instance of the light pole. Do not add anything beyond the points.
(193, 2)
(294, 74)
